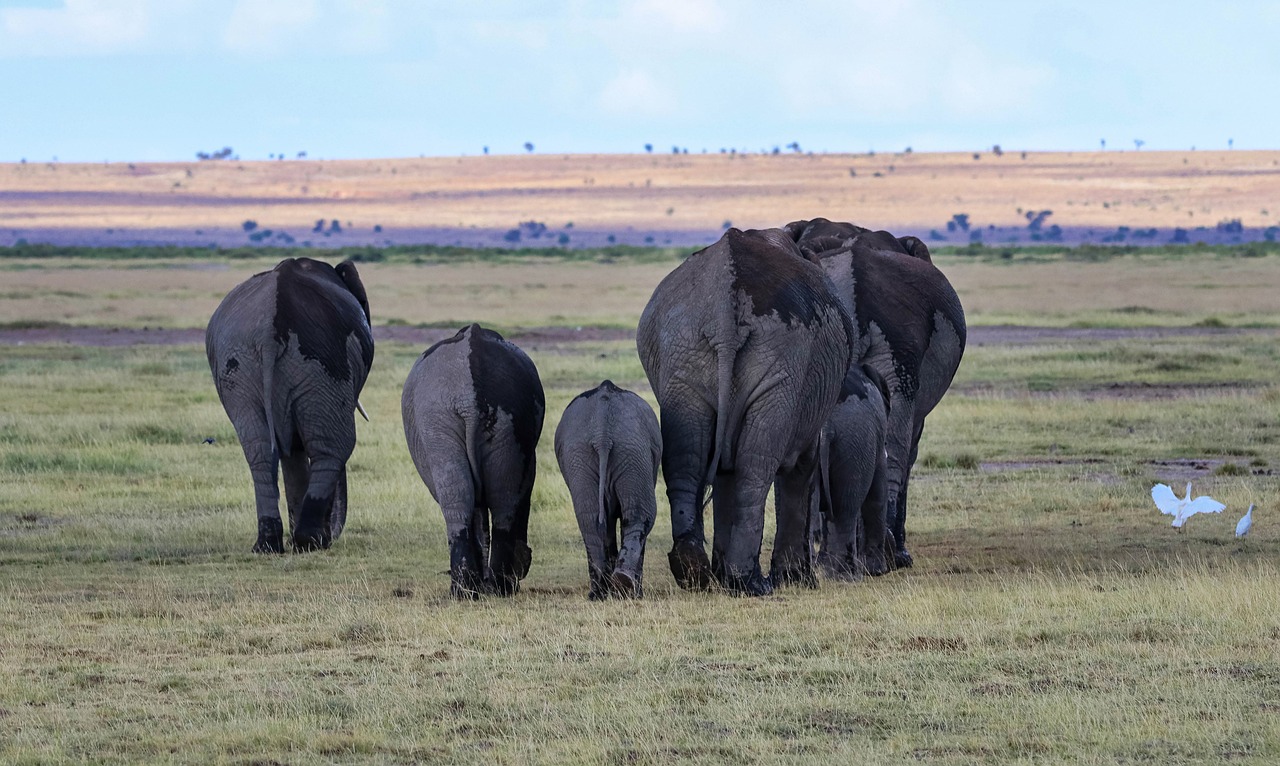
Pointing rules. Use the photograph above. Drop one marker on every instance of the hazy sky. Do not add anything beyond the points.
(93, 80)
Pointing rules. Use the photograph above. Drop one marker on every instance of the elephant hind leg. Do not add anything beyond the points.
(792, 561)
(313, 530)
(739, 526)
(264, 466)
(297, 475)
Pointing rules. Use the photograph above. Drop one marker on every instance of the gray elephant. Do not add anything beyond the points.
(473, 408)
(851, 467)
(290, 350)
(609, 447)
(745, 345)
(909, 325)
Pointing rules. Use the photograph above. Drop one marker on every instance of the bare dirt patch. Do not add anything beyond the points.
(978, 336)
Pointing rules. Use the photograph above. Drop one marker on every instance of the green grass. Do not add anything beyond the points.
(1053, 615)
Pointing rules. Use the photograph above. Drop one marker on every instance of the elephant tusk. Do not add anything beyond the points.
(360, 407)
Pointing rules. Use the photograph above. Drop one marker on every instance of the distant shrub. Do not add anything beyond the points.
(249, 225)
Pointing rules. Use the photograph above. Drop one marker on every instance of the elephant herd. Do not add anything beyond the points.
(802, 359)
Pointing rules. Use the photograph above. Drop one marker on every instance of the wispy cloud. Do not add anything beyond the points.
(77, 28)
(634, 93)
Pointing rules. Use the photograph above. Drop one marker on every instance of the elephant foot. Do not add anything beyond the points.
(754, 584)
(466, 580)
(796, 574)
(270, 536)
(463, 590)
(626, 584)
(844, 570)
(307, 539)
(902, 559)
(690, 566)
(878, 566)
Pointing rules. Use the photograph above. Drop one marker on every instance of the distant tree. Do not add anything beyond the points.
(907, 150)
(1137, 143)
(335, 227)
(1231, 143)
(648, 148)
(997, 151)
(528, 146)
(302, 155)
(249, 225)
(977, 156)
(794, 146)
(486, 150)
(1104, 143)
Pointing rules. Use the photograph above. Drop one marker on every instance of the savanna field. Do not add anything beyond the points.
(1053, 615)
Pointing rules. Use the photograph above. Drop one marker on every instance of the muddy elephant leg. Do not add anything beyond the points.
(739, 531)
(266, 495)
(313, 531)
(687, 435)
(338, 516)
(898, 446)
(297, 475)
(792, 561)
(509, 553)
(264, 462)
(637, 514)
(898, 506)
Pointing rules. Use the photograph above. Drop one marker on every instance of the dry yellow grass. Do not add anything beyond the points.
(668, 192)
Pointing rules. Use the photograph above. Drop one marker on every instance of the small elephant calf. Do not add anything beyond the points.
(609, 447)
(472, 408)
(852, 475)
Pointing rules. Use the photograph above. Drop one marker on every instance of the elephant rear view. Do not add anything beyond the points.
(745, 345)
(609, 448)
(472, 409)
(290, 350)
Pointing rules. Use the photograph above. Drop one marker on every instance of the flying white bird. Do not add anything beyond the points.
(1182, 508)
(1246, 521)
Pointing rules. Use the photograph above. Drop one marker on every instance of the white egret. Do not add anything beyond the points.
(1182, 508)
(1246, 521)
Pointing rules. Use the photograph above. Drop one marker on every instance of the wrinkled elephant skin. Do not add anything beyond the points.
(609, 447)
(473, 408)
(745, 345)
(290, 350)
(908, 325)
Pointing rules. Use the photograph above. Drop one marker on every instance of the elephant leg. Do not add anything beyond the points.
(338, 516)
(898, 501)
(297, 475)
(313, 531)
(639, 508)
(871, 543)
(266, 495)
(264, 463)
(898, 446)
(688, 430)
(739, 515)
(583, 488)
(509, 553)
(792, 561)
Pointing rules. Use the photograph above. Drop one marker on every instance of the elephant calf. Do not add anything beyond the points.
(472, 408)
(290, 350)
(609, 448)
(852, 476)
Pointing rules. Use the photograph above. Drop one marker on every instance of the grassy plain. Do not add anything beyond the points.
(1053, 615)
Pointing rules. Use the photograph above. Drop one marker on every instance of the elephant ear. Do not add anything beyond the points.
(916, 248)
(351, 278)
(795, 229)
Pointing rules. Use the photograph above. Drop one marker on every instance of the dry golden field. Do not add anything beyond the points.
(669, 193)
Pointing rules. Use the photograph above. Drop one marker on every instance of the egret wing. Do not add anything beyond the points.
(1203, 504)
(1165, 500)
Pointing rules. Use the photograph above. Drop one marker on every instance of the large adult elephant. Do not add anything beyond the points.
(745, 345)
(908, 325)
(290, 350)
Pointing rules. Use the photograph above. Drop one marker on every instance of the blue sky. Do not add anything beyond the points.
(93, 80)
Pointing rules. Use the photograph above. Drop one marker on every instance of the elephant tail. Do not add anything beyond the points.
(603, 479)
(724, 387)
(473, 462)
(279, 446)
